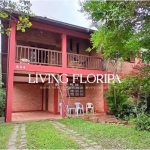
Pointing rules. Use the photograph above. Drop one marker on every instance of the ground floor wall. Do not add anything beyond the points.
(31, 97)
(93, 93)
(27, 97)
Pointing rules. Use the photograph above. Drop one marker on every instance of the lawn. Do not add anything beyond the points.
(110, 136)
(5, 132)
(43, 135)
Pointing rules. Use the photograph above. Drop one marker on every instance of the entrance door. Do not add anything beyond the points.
(46, 98)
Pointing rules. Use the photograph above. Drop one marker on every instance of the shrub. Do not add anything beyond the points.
(2, 102)
(118, 101)
(142, 122)
(2, 107)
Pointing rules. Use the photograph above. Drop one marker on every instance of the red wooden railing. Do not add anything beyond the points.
(40, 56)
(83, 61)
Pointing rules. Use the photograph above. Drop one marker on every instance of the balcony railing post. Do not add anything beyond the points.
(64, 50)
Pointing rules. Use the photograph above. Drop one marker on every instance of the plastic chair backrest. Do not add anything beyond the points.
(78, 105)
(89, 105)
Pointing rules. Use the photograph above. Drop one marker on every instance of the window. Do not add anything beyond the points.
(76, 90)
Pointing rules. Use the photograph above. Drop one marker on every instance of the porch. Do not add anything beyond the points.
(33, 116)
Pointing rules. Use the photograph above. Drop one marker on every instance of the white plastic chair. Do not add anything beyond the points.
(89, 106)
(60, 109)
(79, 108)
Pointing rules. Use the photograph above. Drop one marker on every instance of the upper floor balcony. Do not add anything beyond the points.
(48, 57)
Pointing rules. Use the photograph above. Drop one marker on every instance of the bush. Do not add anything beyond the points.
(142, 122)
(118, 102)
(2, 102)
(2, 107)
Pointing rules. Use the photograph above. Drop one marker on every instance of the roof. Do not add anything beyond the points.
(61, 24)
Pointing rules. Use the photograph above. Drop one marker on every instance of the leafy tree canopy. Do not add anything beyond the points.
(8, 9)
(123, 26)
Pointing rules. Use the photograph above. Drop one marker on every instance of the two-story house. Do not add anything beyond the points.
(49, 47)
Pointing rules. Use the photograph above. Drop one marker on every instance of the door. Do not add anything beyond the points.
(46, 98)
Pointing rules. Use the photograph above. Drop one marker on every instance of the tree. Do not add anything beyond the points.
(18, 11)
(123, 27)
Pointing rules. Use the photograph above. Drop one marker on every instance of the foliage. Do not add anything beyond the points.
(118, 101)
(8, 9)
(43, 135)
(2, 96)
(138, 82)
(122, 27)
(142, 122)
(110, 136)
(2, 102)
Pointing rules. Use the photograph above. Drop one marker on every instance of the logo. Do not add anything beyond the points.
(98, 78)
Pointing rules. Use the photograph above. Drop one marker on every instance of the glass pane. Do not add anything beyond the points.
(71, 94)
(76, 91)
(81, 87)
(76, 94)
(71, 91)
(76, 84)
(82, 91)
(77, 87)
(71, 84)
(81, 94)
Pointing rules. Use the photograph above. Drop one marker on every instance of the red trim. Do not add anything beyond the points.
(60, 30)
(52, 69)
(11, 56)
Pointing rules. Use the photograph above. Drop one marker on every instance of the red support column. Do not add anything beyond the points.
(64, 50)
(65, 100)
(10, 72)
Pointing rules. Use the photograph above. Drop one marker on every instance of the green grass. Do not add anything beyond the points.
(43, 135)
(110, 136)
(5, 133)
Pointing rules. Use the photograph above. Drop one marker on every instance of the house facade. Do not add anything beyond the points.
(57, 48)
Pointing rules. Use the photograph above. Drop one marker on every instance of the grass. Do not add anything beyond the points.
(43, 135)
(110, 136)
(5, 132)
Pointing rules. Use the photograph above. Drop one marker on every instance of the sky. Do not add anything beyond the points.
(61, 10)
